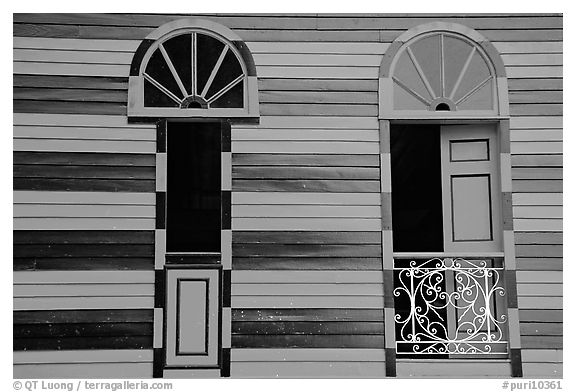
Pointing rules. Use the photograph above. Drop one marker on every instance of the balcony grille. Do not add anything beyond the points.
(450, 306)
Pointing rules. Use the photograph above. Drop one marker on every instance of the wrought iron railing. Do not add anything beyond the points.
(450, 306)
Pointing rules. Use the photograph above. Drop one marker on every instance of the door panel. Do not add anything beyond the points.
(470, 188)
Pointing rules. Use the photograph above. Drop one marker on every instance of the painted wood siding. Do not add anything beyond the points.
(307, 294)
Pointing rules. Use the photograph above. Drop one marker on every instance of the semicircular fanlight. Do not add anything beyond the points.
(442, 72)
(194, 70)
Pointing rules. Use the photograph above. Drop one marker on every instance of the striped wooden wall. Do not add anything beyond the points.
(307, 294)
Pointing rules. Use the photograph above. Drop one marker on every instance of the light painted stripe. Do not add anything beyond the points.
(92, 133)
(539, 277)
(540, 302)
(544, 199)
(359, 135)
(316, 59)
(300, 211)
(334, 302)
(81, 356)
(538, 224)
(310, 289)
(514, 328)
(538, 356)
(319, 47)
(67, 69)
(83, 224)
(307, 354)
(226, 248)
(88, 198)
(104, 45)
(72, 56)
(536, 147)
(226, 180)
(534, 72)
(159, 248)
(270, 277)
(190, 373)
(293, 147)
(529, 47)
(452, 368)
(84, 370)
(78, 120)
(82, 211)
(532, 59)
(536, 135)
(389, 328)
(157, 341)
(57, 303)
(258, 198)
(385, 173)
(69, 145)
(304, 72)
(540, 289)
(536, 122)
(308, 370)
(83, 290)
(161, 171)
(82, 277)
(545, 370)
(538, 212)
(328, 224)
(322, 122)
(226, 327)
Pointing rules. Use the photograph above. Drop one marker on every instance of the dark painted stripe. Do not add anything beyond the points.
(81, 330)
(226, 139)
(58, 94)
(193, 259)
(304, 173)
(226, 288)
(83, 159)
(84, 172)
(286, 314)
(305, 250)
(339, 186)
(84, 343)
(226, 205)
(83, 250)
(139, 56)
(158, 363)
(101, 237)
(339, 160)
(541, 315)
(225, 366)
(388, 288)
(308, 263)
(159, 288)
(71, 82)
(83, 264)
(307, 237)
(83, 316)
(390, 362)
(83, 185)
(161, 136)
(63, 107)
(160, 210)
(307, 341)
(307, 328)
(516, 362)
(511, 294)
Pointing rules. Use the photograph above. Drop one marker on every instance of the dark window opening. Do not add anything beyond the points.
(193, 187)
(416, 188)
(442, 107)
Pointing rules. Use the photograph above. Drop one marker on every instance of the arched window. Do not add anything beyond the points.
(192, 68)
(442, 71)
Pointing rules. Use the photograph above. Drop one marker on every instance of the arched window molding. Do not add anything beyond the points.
(180, 93)
(442, 71)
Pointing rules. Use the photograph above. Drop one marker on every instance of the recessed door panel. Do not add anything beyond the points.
(471, 208)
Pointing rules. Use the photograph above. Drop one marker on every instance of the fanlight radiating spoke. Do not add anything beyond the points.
(171, 72)
(443, 70)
